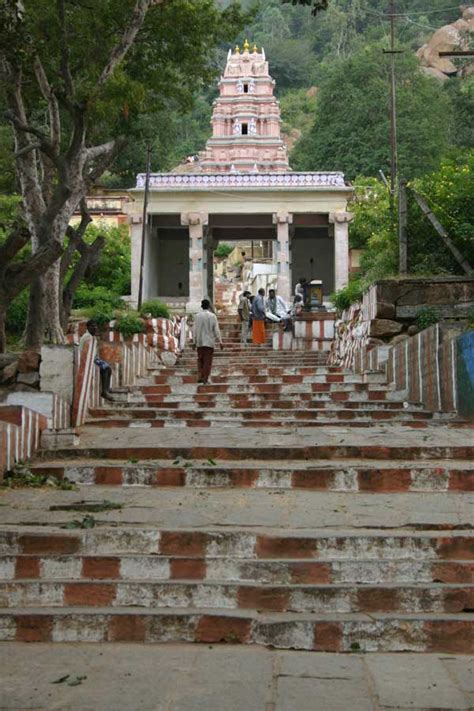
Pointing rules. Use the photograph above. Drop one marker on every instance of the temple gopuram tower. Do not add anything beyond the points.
(239, 188)
(246, 119)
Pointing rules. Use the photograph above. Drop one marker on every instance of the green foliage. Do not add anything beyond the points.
(223, 250)
(355, 137)
(17, 311)
(128, 324)
(448, 192)
(21, 477)
(89, 296)
(155, 308)
(426, 317)
(350, 294)
(101, 313)
(297, 109)
(114, 265)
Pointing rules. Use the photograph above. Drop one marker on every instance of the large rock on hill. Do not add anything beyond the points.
(453, 37)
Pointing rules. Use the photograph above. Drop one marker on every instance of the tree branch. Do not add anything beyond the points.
(50, 98)
(20, 274)
(64, 42)
(15, 241)
(89, 253)
(75, 236)
(120, 50)
(27, 149)
(96, 151)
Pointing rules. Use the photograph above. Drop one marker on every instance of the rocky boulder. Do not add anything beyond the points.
(384, 328)
(453, 37)
(29, 362)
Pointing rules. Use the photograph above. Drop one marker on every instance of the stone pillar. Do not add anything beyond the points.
(196, 222)
(283, 220)
(341, 220)
(136, 241)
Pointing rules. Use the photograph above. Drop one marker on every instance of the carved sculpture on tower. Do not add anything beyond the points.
(246, 118)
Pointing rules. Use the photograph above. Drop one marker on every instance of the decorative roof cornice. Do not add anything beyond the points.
(207, 181)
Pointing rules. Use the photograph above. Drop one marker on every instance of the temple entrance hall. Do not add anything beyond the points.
(180, 248)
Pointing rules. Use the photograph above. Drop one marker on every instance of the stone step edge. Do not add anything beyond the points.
(238, 545)
(305, 452)
(326, 633)
(354, 479)
(108, 568)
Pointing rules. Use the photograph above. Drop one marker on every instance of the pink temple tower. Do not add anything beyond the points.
(246, 119)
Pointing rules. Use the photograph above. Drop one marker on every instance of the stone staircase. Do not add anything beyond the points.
(288, 504)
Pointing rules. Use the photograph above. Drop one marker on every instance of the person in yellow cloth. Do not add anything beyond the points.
(259, 336)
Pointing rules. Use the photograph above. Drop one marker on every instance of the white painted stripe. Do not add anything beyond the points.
(454, 373)
(420, 374)
(438, 382)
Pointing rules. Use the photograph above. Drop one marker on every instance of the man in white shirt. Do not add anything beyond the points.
(277, 310)
(205, 333)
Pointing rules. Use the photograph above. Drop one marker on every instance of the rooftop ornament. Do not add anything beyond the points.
(246, 46)
(237, 49)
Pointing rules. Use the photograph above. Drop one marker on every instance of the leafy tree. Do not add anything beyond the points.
(351, 126)
(72, 100)
(18, 267)
(448, 192)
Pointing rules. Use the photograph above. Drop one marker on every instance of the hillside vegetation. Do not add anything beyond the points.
(332, 81)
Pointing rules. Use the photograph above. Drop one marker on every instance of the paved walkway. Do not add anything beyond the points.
(211, 678)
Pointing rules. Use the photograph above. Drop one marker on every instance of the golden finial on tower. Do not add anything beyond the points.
(246, 46)
(237, 49)
(255, 49)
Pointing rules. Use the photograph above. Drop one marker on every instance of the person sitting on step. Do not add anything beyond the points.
(277, 310)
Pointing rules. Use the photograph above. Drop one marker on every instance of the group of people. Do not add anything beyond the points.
(255, 311)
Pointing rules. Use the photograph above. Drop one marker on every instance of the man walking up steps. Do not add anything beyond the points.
(206, 333)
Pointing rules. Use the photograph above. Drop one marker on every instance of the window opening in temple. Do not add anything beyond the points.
(245, 129)
(246, 88)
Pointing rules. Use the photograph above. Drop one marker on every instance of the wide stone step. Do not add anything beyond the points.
(129, 450)
(218, 379)
(335, 598)
(340, 390)
(348, 476)
(254, 413)
(146, 568)
(297, 399)
(224, 422)
(412, 547)
(253, 370)
(195, 402)
(376, 632)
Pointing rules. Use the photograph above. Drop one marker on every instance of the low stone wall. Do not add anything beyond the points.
(400, 300)
(434, 367)
(311, 332)
(20, 434)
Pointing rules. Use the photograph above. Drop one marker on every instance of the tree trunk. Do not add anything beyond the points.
(52, 329)
(34, 322)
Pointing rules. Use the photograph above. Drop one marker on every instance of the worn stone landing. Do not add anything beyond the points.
(179, 677)
(243, 509)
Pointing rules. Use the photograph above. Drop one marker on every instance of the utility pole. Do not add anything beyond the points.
(402, 227)
(144, 224)
(393, 115)
(393, 104)
(393, 108)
